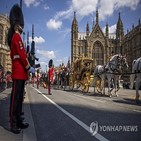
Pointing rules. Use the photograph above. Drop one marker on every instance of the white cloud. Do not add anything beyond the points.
(32, 2)
(85, 8)
(53, 24)
(46, 54)
(43, 63)
(38, 40)
(36, 3)
(127, 3)
(107, 7)
(112, 29)
(64, 14)
(46, 7)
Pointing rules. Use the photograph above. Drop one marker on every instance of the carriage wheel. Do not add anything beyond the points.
(71, 82)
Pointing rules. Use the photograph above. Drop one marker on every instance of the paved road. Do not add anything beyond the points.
(67, 115)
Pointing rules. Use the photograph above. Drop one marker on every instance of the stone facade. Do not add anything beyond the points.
(100, 46)
(132, 43)
(5, 60)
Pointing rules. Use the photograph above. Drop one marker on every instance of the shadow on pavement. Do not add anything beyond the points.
(128, 101)
(4, 110)
(5, 133)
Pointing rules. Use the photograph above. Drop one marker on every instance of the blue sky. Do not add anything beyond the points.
(52, 21)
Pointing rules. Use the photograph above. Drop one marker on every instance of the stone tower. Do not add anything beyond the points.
(74, 39)
(119, 35)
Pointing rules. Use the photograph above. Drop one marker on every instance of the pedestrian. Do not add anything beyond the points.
(32, 71)
(20, 67)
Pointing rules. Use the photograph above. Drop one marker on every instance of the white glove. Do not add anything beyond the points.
(32, 70)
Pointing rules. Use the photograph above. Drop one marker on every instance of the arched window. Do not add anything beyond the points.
(98, 54)
(1, 33)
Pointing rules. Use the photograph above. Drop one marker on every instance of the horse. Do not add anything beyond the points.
(114, 69)
(61, 79)
(136, 76)
(65, 78)
(99, 77)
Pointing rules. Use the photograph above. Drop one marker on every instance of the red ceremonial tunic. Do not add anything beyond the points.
(50, 72)
(20, 62)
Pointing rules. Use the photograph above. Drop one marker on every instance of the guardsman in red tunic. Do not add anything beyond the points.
(50, 75)
(20, 67)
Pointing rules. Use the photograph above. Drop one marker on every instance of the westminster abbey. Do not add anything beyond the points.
(100, 46)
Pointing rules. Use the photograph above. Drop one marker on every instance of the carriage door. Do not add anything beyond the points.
(98, 53)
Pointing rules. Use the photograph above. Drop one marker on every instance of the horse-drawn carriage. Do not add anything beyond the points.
(81, 74)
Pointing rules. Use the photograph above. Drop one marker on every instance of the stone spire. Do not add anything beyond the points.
(97, 18)
(74, 22)
(93, 24)
(119, 35)
(119, 30)
(74, 39)
(139, 21)
(107, 30)
(87, 29)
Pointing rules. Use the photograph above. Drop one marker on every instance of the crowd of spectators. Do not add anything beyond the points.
(5, 80)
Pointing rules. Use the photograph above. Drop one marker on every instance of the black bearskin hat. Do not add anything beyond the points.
(16, 16)
(50, 64)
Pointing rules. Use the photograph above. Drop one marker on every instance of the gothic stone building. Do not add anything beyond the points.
(5, 60)
(100, 46)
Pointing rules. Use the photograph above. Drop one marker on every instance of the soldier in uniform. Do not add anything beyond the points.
(50, 75)
(20, 67)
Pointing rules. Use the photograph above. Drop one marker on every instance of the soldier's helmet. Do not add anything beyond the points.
(16, 16)
(50, 64)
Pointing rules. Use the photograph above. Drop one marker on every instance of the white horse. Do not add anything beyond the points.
(114, 69)
(99, 77)
(136, 69)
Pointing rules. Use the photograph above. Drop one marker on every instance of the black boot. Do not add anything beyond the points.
(15, 129)
(23, 125)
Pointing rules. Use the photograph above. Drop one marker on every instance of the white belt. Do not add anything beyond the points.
(16, 56)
